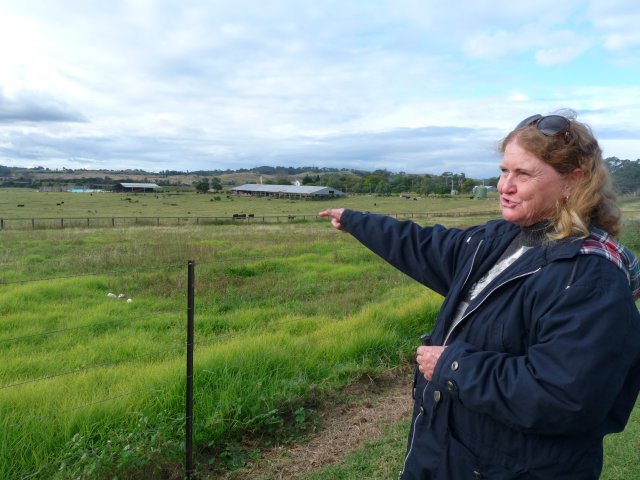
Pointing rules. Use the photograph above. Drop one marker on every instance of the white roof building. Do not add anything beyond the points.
(139, 187)
(287, 191)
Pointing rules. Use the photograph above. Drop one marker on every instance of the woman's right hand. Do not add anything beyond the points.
(335, 214)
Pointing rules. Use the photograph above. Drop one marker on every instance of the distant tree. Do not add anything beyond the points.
(491, 182)
(202, 185)
(265, 170)
(383, 187)
(468, 185)
(215, 184)
(442, 189)
(332, 180)
(625, 174)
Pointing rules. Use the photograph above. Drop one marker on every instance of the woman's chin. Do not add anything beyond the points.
(513, 216)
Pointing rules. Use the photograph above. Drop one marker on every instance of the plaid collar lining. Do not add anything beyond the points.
(601, 243)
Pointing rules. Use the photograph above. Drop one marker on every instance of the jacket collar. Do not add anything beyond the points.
(598, 243)
(501, 233)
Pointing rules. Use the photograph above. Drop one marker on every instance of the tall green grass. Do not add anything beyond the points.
(283, 315)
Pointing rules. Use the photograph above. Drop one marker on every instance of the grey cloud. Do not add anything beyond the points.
(36, 109)
(421, 150)
(206, 85)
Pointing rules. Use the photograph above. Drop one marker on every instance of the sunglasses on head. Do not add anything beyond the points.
(549, 125)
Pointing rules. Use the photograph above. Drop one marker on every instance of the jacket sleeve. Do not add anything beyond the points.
(430, 255)
(583, 360)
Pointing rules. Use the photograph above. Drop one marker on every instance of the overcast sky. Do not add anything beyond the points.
(420, 86)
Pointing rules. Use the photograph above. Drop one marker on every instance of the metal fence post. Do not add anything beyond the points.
(189, 386)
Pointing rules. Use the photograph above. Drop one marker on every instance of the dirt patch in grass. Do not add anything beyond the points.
(361, 413)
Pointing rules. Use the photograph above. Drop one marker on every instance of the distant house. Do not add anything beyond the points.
(287, 191)
(137, 187)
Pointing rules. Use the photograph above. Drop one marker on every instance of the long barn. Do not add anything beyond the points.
(306, 192)
(137, 187)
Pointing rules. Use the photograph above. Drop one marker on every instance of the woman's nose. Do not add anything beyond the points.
(506, 184)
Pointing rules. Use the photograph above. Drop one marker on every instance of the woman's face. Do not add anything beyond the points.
(529, 188)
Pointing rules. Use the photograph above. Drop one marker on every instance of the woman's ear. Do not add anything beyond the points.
(572, 178)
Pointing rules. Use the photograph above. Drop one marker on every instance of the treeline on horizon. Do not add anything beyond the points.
(625, 175)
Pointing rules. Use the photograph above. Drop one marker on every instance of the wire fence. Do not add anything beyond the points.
(41, 223)
(60, 370)
(45, 359)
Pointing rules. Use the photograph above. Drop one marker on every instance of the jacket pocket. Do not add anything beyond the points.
(460, 463)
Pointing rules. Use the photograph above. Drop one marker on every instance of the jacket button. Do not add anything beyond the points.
(422, 410)
(454, 365)
(451, 386)
(437, 396)
(477, 475)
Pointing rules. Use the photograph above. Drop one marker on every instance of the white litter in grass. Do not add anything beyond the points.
(121, 296)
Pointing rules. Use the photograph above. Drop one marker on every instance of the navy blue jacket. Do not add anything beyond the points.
(545, 362)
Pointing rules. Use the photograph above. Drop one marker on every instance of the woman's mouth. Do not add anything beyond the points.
(507, 203)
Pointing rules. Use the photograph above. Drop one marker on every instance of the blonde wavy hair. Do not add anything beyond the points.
(592, 201)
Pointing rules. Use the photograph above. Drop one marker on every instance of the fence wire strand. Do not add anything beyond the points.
(83, 406)
(91, 367)
(95, 274)
(82, 327)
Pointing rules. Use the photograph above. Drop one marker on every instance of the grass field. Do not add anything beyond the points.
(268, 342)
(191, 204)
(93, 387)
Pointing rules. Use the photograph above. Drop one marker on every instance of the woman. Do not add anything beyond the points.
(535, 355)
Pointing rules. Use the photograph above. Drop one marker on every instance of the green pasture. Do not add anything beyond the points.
(93, 387)
(190, 204)
(284, 315)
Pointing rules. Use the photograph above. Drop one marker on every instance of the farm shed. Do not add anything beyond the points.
(487, 189)
(287, 191)
(137, 187)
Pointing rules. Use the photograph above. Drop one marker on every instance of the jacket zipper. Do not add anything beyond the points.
(413, 433)
(473, 260)
(457, 324)
(424, 390)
